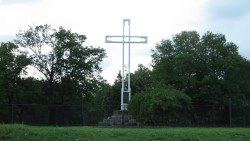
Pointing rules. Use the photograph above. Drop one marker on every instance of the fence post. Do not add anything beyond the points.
(82, 110)
(12, 114)
(230, 111)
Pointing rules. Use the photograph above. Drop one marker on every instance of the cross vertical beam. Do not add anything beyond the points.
(126, 39)
(123, 45)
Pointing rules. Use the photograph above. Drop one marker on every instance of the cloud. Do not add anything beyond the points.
(13, 2)
(228, 9)
(6, 38)
(231, 18)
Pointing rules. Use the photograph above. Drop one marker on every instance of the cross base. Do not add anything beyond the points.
(120, 118)
(124, 106)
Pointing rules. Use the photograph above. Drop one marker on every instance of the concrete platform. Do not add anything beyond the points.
(119, 118)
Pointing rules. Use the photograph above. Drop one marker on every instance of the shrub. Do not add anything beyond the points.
(160, 105)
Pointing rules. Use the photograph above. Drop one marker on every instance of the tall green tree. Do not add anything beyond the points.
(59, 54)
(141, 79)
(12, 65)
(203, 67)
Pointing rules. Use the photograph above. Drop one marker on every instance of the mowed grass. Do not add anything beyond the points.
(18, 132)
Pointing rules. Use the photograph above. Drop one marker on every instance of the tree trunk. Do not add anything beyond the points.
(51, 106)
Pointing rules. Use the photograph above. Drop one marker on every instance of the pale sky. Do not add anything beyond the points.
(157, 19)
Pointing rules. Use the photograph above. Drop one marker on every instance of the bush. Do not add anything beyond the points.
(160, 105)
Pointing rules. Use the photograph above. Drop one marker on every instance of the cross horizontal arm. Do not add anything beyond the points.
(133, 39)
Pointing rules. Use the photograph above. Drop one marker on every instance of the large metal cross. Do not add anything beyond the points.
(126, 39)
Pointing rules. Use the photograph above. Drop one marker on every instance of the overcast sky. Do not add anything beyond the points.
(157, 19)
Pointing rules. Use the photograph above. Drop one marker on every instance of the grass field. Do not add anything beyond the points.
(35, 133)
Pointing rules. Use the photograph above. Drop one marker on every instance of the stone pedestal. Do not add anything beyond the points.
(119, 118)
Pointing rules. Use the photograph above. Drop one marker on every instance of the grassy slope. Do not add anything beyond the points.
(34, 133)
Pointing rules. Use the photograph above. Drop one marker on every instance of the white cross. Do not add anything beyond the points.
(126, 39)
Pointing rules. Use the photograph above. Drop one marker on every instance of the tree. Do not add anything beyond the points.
(204, 68)
(12, 64)
(114, 96)
(141, 79)
(60, 54)
(101, 106)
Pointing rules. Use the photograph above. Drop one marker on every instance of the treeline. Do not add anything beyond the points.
(194, 80)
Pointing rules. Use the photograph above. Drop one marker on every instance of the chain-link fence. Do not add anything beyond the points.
(36, 114)
(69, 115)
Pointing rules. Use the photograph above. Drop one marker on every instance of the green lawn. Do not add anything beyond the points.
(36, 133)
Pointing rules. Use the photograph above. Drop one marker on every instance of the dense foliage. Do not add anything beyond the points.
(209, 70)
(160, 105)
(69, 71)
